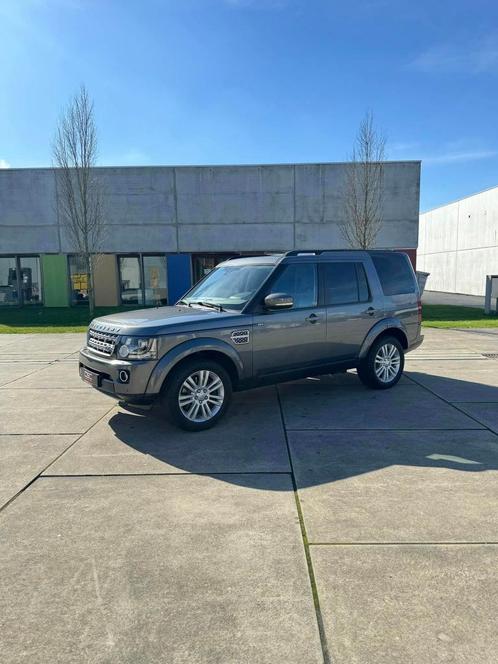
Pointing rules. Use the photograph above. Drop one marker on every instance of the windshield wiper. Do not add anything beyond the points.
(211, 305)
(189, 304)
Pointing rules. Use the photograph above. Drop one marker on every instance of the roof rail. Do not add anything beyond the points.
(304, 252)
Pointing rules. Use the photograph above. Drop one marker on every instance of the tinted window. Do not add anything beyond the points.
(395, 273)
(344, 283)
(299, 281)
(363, 289)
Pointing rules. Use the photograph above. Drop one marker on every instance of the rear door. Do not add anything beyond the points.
(294, 338)
(347, 296)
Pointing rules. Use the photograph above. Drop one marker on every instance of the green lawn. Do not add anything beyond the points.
(48, 319)
(76, 319)
(446, 315)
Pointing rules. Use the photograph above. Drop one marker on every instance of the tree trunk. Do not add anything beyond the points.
(91, 291)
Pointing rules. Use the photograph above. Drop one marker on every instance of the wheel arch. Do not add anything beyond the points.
(215, 350)
(386, 328)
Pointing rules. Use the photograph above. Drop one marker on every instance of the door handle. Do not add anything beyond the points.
(370, 311)
(312, 318)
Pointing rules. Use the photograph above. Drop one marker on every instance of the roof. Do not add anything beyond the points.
(297, 255)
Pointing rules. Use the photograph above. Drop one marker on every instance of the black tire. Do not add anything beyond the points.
(367, 368)
(176, 388)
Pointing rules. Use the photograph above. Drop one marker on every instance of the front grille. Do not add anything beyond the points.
(102, 342)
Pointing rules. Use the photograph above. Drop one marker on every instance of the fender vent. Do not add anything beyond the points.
(240, 336)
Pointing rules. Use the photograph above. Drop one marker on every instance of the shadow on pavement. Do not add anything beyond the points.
(233, 452)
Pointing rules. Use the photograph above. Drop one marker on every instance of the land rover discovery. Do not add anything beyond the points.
(260, 320)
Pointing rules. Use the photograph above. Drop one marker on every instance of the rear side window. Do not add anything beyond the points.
(344, 283)
(395, 273)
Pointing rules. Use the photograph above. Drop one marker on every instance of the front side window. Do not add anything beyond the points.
(229, 287)
(78, 280)
(299, 281)
(344, 283)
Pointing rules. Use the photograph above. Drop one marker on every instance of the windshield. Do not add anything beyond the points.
(229, 287)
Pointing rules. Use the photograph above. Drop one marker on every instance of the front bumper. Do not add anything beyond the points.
(122, 379)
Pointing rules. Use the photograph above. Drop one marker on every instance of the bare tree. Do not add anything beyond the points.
(79, 194)
(363, 187)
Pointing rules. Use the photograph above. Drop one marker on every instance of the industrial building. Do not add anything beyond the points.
(167, 226)
(458, 244)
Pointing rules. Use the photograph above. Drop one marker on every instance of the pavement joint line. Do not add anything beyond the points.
(482, 426)
(460, 410)
(313, 585)
(70, 433)
(165, 474)
(403, 543)
(37, 370)
(33, 480)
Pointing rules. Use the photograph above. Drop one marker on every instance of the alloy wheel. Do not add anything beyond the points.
(387, 363)
(201, 395)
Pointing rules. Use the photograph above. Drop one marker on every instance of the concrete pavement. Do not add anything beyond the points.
(319, 522)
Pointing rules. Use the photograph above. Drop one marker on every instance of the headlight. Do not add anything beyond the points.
(138, 348)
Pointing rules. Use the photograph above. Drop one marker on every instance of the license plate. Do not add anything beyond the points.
(89, 376)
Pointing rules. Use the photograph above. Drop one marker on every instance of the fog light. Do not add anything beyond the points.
(124, 376)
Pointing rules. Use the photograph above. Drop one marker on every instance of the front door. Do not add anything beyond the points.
(293, 338)
(348, 301)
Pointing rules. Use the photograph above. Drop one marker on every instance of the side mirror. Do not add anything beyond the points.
(279, 301)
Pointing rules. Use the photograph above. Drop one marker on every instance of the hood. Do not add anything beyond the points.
(158, 320)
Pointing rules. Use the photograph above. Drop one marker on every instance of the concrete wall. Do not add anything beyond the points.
(458, 244)
(208, 208)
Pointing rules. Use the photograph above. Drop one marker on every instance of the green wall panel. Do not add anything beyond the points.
(55, 280)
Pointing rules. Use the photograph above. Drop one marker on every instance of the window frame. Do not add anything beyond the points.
(358, 265)
(20, 298)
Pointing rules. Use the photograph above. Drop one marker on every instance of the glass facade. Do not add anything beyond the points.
(155, 282)
(78, 280)
(20, 280)
(30, 279)
(8, 281)
(142, 280)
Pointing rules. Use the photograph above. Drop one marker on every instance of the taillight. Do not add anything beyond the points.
(419, 307)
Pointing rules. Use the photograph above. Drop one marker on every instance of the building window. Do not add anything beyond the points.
(20, 280)
(30, 279)
(202, 264)
(8, 281)
(78, 280)
(143, 280)
(155, 282)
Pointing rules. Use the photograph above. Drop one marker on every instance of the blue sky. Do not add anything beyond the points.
(258, 81)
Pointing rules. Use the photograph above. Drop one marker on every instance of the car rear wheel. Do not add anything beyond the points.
(198, 395)
(383, 366)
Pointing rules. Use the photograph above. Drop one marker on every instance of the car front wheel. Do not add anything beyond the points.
(383, 366)
(198, 395)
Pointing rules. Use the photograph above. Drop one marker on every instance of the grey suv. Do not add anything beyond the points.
(256, 321)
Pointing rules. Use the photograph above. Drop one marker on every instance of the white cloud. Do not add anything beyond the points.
(4, 163)
(455, 157)
(475, 56)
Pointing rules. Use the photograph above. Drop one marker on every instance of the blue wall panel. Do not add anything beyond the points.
(179, 268)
